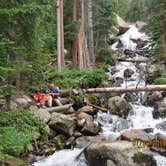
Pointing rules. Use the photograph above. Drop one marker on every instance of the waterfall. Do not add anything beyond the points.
(112, 125)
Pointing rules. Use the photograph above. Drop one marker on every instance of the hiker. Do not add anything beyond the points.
(44, 99)
(37, 96)
(55, 93)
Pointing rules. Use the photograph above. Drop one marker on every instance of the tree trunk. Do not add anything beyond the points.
(90, 33)
(75, 41)
(130, 89)
(83, 52)
(60, 35)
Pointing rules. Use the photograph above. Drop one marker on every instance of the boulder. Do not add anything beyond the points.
(119, 106)
(87, 117)
(128, 73)
(123, 26)
(91, 129)
(119, 153)
(22, 102)
(87, 109)
(159, 136)
(43, 115)
(153, 97)
(85, 140)
(136, 134)
(140, 24)
(160, 108)
(131, 97)
(161, 126)
(62, 123)
(160, 150)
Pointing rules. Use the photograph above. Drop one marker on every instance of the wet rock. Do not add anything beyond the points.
(160, 108)
(160, 150)
(81, 123)
(85, 140)
(140, 24)
(121, 124)
(118, 81)
(161, 126)
(43, 115)
(153, 97)
(148, 130)
(119, 153)
(59, 141)
(160, 136)
(136, 134)
(77, 134)
(119, 106)
(128, 73)
(87, 109)
(91, 129)
(62, 124)
(131, 97)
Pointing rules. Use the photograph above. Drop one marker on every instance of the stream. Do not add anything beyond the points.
(139, 118)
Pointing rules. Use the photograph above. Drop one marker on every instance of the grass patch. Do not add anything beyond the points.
(160, 80)
(75, 78)
(17, 130)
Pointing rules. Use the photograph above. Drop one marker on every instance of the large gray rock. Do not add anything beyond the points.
(160, 108)
(119, 153)
(128, 73)
(22, 102)
(43, 115)
(153, 97)
(161, 126)
(87, 109)
(119, 106)
(152, 72)
(136, 134)
(62, 123)
(91, 128)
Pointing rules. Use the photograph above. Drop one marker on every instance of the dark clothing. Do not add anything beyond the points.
(55, 90)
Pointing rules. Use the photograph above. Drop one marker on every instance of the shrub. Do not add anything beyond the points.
(17, 129)
(160, 80)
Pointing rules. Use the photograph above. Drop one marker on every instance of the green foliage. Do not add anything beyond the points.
(105, 56)
(17, 129)
(103, 18)
(160, 80)
(84, 79)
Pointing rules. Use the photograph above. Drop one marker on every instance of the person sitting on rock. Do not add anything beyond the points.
(44, 99)
(54, 91)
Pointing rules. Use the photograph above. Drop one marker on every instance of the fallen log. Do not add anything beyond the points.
(134, 60)
(129, 89)
(58, 109)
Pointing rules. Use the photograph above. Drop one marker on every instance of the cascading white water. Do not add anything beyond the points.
(140, 118)
(63, 158)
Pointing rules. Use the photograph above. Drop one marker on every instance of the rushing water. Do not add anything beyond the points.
(139, 118)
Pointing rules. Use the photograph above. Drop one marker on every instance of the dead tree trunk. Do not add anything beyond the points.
(130, 89)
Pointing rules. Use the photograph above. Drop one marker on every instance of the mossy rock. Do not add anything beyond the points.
(13, 162)
(93, 99)
(145, 159)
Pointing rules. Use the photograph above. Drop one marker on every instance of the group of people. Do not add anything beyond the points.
(46, 98)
